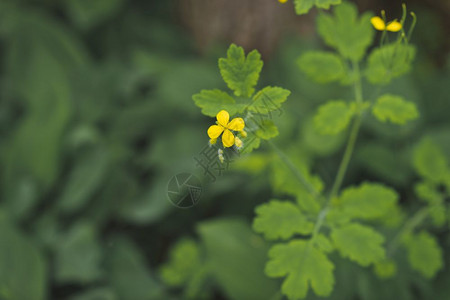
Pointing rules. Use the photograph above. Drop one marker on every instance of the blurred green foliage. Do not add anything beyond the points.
(96, 116)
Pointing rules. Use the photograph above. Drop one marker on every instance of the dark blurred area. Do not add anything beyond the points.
(96, 117)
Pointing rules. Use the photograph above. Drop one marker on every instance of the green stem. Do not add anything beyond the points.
(348, 151)
(308, 186)
(353, 135)
(408, 227)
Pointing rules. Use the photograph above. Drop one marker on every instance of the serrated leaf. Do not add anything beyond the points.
(183, 262)
(323, 243)
(303, 6)
(367, 201)
(389, 62)
(213, 101)
(385, 269)
(359, 243)
(424, 253)
(427, 192)
(280, 219)
(395, 109)
(322, 66)
(267, 130)
(239, 72)
(346, 32)
(268, 99)
(430, 162)
(333, 117)
(304, 266)
(438, 214)
(251, 142)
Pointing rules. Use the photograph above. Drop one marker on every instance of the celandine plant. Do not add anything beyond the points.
(363, 223)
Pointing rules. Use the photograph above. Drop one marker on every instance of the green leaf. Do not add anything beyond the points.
(268, 99)
(280, 219)
(23, 273)
(428, 192)
(267, 130)
(389, 62)
(319, 144)
(346, 32)
(359, 243)
(424, 253)
(430, 162)
(128, 272)
(251, 142)
(86, 14)
(304, 266)
(367, 201)
(438, 214)
(323, 243)
(385, 269)
(303, 6)
(213, 101)
(395, 109)
(184, 260)
(236, 256)
(239, 72)
(84, 179)
(322, 66)
(333, 117)
(78, 255)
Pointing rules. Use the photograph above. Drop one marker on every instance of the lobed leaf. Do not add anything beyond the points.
(239, 72)
(359, 243)
(267, 130)
(303, 6)
(346, 32)
(430, 162)
(268, 99)
(389, 62)
(213, 101)
(424, 253)
(333, 117)
(322, 66)
(281, 219)
(395, 109)
(304, 266)
(183, 263)
(367, 201)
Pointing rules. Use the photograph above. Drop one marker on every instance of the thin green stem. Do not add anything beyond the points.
(300, 177)
(353, 135)
(347, 153)
(408, 227)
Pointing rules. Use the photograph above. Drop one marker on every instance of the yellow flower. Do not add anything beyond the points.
(228, 139)
(282, 1)
(379, 24)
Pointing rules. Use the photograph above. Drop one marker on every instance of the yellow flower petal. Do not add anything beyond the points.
(282, 1)
(223, 117)
(237, 124)
(378, 23)
(214, 131)
(394, 26)
(227, 138)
